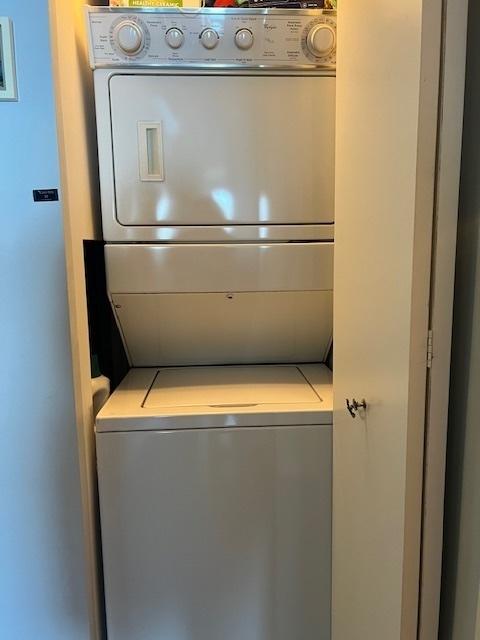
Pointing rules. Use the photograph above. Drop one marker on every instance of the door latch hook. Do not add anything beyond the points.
(354, 406)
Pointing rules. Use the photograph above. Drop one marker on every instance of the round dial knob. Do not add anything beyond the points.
(244, 39)
(174, 38)
(321, 40)
(130, 37)
(209, 38)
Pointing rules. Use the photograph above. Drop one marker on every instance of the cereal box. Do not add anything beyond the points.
(146, 3)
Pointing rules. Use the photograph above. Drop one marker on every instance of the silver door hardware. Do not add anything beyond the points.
(354, 406)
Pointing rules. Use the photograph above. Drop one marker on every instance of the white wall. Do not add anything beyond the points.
(42, 585)
(461, 572)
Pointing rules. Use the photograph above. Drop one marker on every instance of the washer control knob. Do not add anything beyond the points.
(209, 38)
(244, 39)
(174, 38)
(321, 40)
(130, 37)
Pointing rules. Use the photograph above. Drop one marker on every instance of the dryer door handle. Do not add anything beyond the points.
(150, 152)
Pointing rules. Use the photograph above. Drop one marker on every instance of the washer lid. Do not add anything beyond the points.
(219, 397)
(233, 386)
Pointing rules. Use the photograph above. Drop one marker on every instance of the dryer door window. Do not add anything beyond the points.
(223, 150)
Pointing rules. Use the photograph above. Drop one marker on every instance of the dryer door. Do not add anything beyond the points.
(223, 150)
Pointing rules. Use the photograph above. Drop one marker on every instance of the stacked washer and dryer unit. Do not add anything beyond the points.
(216, 149)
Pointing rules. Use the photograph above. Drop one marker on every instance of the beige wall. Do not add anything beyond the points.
(79, 180)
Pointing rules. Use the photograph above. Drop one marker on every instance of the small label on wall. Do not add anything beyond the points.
(45, 195)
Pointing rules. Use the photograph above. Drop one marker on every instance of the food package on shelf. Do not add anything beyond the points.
(146, 3)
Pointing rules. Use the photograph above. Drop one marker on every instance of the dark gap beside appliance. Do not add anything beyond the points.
(106, 346)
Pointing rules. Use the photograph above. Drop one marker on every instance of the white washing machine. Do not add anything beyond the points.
(216, 148)
(215, 500)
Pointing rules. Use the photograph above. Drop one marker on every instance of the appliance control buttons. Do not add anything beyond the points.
(129, 37)
(174, 38)
(244, 39)
(321, 40)
(209, 38)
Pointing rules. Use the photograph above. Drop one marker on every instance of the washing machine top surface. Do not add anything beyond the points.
(219, 396)
(225, 387)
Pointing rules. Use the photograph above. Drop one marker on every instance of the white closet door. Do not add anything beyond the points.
(387, 91)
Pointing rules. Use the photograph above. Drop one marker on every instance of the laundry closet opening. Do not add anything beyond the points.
(215, 449)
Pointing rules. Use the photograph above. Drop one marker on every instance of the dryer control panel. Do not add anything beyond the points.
(212, 38)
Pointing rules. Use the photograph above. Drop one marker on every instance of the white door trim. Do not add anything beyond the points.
(442, 286)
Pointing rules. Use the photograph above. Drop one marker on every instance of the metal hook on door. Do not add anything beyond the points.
(354, 406)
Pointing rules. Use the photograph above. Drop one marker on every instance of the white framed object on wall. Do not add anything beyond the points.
(8, 80)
